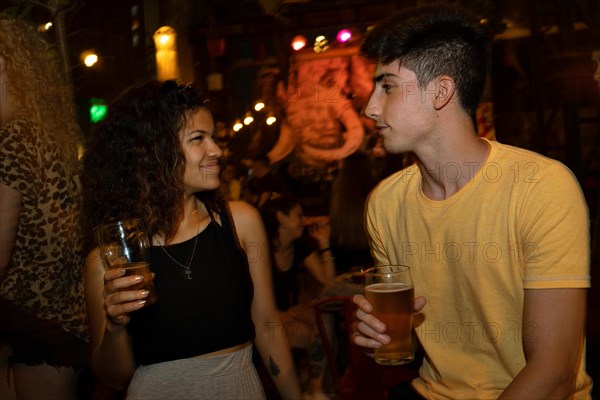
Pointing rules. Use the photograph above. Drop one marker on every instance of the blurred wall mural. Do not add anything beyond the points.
(322, 104)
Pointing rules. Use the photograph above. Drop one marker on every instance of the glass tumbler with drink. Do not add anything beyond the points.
(390, 291)
(124, 244)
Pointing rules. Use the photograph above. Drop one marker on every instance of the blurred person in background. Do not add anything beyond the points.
(284, 222)
(42, 313)
(154, 157)
(231, 181)
(263, 180)
(349, 192)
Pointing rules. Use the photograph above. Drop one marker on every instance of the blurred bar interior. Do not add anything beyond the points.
(299, 59)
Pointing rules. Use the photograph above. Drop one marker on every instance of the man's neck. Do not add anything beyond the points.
(447, 168)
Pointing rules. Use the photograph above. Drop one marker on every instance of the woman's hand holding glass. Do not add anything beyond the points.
(120, 299)
(128, 282)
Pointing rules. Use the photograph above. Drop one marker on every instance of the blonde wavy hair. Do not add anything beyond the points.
(38, 86)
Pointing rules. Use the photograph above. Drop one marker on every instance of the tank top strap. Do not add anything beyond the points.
(229, 226)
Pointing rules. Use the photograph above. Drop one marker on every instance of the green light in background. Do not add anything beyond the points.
(98, 110)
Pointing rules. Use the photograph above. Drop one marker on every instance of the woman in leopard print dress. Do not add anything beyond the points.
(42, 315)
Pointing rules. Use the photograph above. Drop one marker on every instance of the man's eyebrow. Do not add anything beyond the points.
(380, 77)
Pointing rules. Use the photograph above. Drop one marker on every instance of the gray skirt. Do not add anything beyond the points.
(227, 376)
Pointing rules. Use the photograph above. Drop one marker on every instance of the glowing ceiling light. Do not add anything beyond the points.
(237, 125)
(344, 35)
(259, 106)
(90, 60)
(298, 42)
(248, 119)
(45, 27)
(271, 120)
(321, 44)
(164, 39)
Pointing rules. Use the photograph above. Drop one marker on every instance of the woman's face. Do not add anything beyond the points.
(201, 153)
(293, 222)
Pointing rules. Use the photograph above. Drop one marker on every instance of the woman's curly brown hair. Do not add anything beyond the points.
(134, 163)
(38, 86)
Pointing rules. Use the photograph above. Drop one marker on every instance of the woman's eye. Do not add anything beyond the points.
(386, 87)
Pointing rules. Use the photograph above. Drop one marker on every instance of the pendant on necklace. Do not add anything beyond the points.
(187, 268)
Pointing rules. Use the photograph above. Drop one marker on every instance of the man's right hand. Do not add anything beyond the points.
(368, 330)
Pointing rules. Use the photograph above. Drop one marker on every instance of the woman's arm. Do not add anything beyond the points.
(321, 266)
(112, 358)
(320, 263)
(271, 340)
(10, 209)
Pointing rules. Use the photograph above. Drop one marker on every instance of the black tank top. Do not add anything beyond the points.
(210, 312)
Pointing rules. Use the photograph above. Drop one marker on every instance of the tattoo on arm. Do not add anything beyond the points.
(317, 352)
(273, 367)
(317, 356)
(315, 372)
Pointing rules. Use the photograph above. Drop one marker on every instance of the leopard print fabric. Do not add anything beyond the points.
(44, 277)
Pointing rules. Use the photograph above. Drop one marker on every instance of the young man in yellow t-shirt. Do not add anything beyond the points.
(497, 237)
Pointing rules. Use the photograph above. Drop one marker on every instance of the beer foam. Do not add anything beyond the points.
(388, 287)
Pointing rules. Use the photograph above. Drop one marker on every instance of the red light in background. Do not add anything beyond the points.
(298, 42)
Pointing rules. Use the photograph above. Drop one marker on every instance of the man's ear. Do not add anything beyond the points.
(445, 90)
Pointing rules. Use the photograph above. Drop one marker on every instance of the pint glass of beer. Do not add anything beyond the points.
(124, 244)
(389, 289)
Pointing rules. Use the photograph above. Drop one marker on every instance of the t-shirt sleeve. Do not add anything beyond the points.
(18, 157)
(555, 232)
(374, 234)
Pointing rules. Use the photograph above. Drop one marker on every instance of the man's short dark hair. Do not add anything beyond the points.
(431, 41)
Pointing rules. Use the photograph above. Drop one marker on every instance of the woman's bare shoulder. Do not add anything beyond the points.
(241, 210)
(245, 217)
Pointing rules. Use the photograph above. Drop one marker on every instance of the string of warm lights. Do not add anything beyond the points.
(249, 118)
(321, 44)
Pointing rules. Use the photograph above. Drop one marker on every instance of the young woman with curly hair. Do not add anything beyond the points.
(42, 311)
(154, 157)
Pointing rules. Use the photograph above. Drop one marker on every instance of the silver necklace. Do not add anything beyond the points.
(186, 268)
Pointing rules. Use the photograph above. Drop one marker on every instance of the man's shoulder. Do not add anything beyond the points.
(396, 186)
(511, 154)
(526, 166)
(399, 181)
